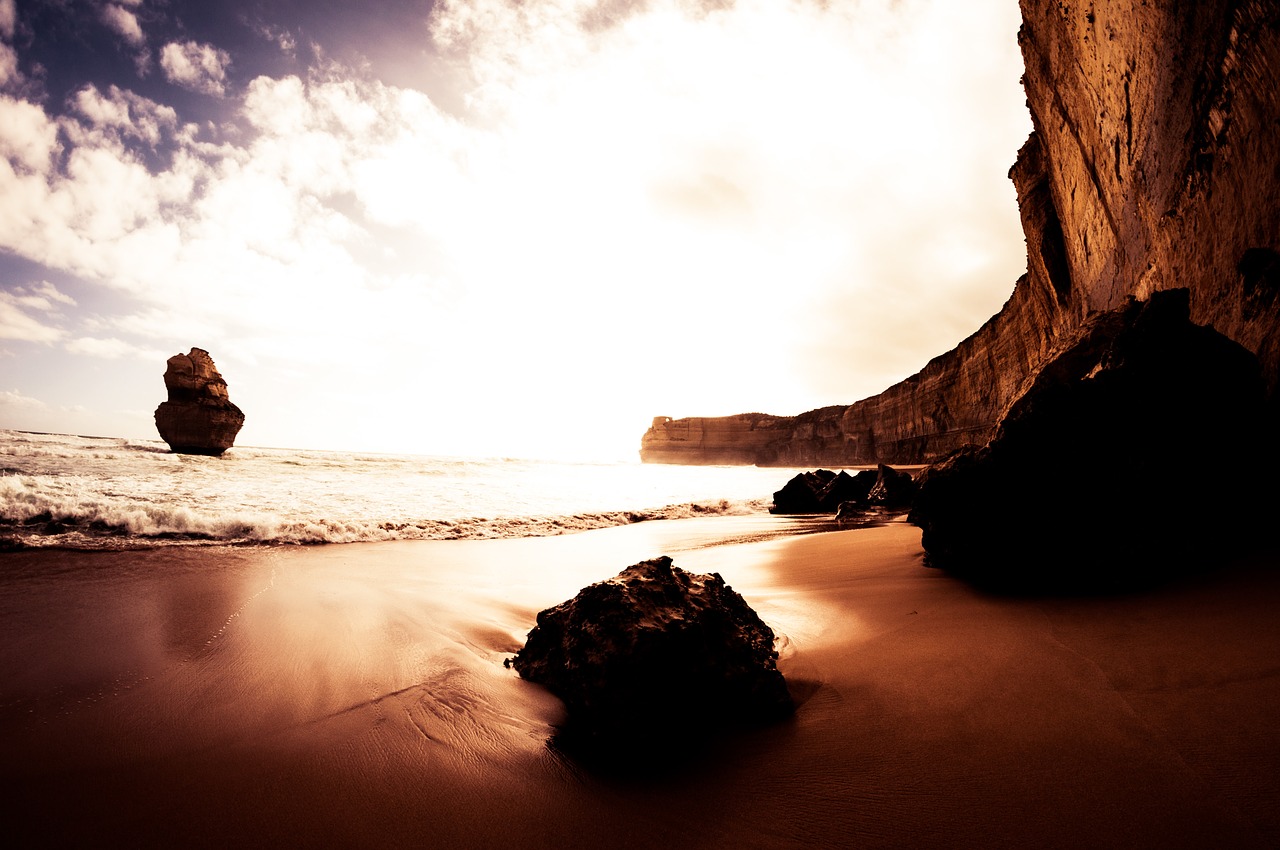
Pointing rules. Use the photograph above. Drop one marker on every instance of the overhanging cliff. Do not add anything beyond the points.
(1153, 165)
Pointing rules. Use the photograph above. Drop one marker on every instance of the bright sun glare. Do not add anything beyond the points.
(680, 211)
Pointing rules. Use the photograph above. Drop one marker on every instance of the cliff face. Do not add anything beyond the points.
(198, 417)
(1152, 165)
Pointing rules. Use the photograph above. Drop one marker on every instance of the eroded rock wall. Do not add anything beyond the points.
(1153, 165)
(1160, 124)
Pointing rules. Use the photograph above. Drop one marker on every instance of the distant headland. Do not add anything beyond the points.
(1151, 166)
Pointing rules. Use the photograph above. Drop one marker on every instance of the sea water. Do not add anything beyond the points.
(107, 493)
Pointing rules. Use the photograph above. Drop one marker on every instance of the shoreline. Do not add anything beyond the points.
(355, 696)
(763, 525)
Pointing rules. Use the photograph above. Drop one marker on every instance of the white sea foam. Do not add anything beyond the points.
(92, 492)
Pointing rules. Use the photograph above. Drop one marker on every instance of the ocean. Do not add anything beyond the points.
(82, 492)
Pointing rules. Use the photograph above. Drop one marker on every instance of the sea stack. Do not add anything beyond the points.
(198, 418)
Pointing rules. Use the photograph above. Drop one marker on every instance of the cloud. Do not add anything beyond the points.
(123, 22)
(28, 138)
(48, 291)
(198, 67)
(9, 73)
(103, 199)
(8, 18)
(111, 348)
(18, 306)
(15, 400)
(24, 412)
(119, 116)
(280, 37)
(16, 321)
(44, 296)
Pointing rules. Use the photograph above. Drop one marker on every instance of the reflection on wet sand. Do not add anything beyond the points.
(356, 696)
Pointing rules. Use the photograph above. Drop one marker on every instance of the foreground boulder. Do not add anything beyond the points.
(653, 660)
(1120, 465)
(198, 417)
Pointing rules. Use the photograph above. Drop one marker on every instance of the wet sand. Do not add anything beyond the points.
(354, 696)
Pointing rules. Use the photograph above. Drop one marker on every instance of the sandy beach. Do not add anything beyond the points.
(354, 696)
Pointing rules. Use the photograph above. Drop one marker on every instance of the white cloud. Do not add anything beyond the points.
(116, 117)
(17, 323)
(8, 18)
(9, 73)
(103, 200)
(673, 156)
(281, 37)
(21, 411)
(198, 67)
(123, 23)
(48, 291)
(44, 296)
(28, 138)
(19, 306)
(16, 400)
(111, 348)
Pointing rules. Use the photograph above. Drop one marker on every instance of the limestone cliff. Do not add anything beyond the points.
(198, 417)
(1152, 165)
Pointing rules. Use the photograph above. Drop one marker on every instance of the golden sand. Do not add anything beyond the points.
(354, 696)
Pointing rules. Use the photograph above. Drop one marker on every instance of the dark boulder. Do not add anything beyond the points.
(654, 660)
(893, 488)
(198, 417)
(802, 494)
(892, 493)
(821, 491)
(1096, 478)
(850, 510)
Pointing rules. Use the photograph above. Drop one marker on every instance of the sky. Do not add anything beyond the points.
(496, 227)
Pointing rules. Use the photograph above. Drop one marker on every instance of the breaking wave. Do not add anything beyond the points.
(32, 520)
(102, 493)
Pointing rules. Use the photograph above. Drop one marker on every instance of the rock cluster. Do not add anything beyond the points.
(198, 418)
(652, 660)
(1151, 166)
(822, 491)
(1097, 477)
